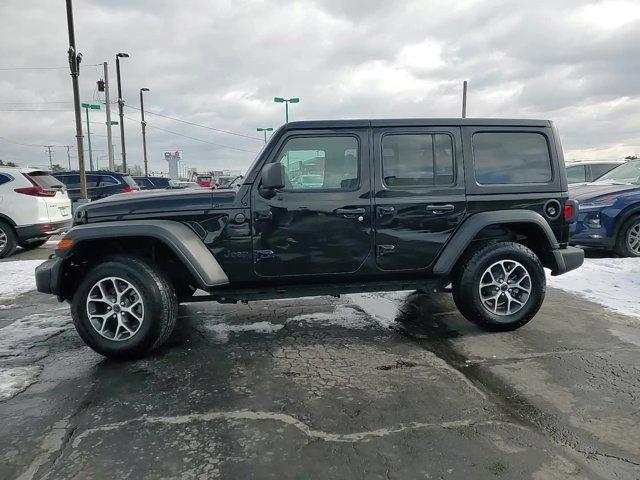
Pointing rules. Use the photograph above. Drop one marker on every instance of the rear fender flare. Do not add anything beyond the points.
(465, 234)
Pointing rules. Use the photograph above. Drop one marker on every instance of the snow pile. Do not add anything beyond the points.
(222, 330)
(383, 307)
(25, 332)
(612, 282)
(17, 277)
(343, 316)
(17, 379)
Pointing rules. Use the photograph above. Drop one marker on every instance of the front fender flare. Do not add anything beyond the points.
(176, 236)
(472, 226)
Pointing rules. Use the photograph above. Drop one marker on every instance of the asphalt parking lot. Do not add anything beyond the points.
(387, 386)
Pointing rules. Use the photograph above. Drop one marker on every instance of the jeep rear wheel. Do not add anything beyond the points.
(124, 308)
(501, 287)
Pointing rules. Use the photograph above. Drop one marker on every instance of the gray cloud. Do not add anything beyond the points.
(220, 63)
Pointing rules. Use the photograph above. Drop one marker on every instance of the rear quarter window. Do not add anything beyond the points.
(503, 158)
(4, 178)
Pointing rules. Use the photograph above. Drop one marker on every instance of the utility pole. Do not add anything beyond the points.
(120, 112)
(108, 108)
(49, 147)
(464, 99)
(74, 67)
(68, 155)
(144, 134)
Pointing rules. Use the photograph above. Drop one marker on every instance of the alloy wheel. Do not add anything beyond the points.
(505, 287)
(633, 238)
(115, 308)
(3, 239)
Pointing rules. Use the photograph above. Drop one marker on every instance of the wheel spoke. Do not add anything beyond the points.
(509, 290)
(108, 312)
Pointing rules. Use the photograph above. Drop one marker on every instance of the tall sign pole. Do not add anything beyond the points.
(464, 99)
(108, 107)
(74, 66)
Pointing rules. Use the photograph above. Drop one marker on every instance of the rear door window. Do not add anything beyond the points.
(503, 158)
(417, 160)
(599, 169)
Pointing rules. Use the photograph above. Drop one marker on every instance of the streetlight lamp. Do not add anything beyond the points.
(87, 107)
(144, 136)
(286, 102)
(120, 112)
(265, 130)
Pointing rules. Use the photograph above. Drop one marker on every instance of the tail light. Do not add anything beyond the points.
(35, 190)
(570, 210)
(127, 189)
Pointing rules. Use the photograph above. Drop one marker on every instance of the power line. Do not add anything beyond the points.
(194, 138)
(34, 110)
(28, 144)
(4, 69)
(196, 124)
(35, 103)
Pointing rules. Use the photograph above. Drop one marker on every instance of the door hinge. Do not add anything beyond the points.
(385, 250)
(260, 255)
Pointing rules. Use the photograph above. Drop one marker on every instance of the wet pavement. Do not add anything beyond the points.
(386, 386)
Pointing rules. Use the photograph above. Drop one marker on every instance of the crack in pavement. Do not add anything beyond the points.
(289, 420)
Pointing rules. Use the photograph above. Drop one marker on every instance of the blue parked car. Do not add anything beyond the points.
(609, 211)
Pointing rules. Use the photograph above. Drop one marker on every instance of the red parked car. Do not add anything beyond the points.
(204, 181)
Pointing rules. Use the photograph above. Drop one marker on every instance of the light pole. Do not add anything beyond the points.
(265, 130)
(87, 107)
(286, 102)
(120, 112)
(144, 136)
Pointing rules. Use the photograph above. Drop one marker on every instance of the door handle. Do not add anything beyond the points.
(441, 208)
(351, 211)
(382, 211)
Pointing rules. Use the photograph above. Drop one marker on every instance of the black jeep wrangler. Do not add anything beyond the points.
(475, 207)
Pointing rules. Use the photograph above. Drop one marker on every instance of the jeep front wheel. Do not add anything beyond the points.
(124, 308)
(501, 287)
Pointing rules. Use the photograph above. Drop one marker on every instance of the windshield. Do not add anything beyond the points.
(625, 173)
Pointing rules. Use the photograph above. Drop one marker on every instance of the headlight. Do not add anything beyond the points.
(596, 205)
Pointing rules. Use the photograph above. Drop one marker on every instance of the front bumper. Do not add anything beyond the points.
(30, 232)
(567, 259)
(48, 276)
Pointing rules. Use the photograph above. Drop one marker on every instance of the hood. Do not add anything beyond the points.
(155, 203)
(591, 191)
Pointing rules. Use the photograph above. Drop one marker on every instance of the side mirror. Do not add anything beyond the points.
(273, 176)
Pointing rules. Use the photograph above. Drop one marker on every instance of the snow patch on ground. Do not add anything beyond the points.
(17, 277)
(611, 282)
(343, 316)
(383, 307)
(223, 330)
(17, 379)
(25, 332)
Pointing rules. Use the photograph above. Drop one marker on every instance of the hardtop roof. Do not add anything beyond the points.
(417, 122)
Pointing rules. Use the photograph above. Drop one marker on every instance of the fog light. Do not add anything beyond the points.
(594, 222)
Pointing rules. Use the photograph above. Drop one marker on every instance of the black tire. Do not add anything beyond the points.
(159, 302)
(623, 247)
(8, 239)
(33, 244)
(467, 279)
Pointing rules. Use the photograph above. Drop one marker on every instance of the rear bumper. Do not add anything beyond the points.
(42, 230)
(48, 276)
(567, 259)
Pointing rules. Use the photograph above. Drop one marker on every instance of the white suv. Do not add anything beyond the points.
(33, 206)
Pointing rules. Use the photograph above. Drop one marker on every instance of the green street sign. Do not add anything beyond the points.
(91, 106)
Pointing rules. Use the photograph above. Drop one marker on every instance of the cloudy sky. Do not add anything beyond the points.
(220, 63)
